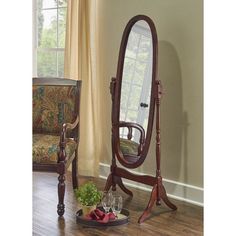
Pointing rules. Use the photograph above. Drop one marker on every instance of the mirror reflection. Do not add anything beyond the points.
(136, 87)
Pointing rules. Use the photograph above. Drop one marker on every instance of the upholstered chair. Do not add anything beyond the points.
(56, 106)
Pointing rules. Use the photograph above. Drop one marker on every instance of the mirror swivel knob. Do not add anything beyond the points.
(143, 105)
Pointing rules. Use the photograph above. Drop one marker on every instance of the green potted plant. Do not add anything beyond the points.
(88, 196)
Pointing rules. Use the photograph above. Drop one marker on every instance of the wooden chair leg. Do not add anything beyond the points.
(61, 189)
(75, 171)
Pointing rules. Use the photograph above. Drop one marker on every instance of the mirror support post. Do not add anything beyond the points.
(113, 165)
(161, 192)
(158, 190)
(111, 178)
(158, 94)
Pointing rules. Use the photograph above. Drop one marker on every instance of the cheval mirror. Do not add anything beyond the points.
(135, 93)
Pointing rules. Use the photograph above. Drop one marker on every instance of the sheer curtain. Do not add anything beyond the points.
(80, 64)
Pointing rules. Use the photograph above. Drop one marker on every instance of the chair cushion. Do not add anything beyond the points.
(129, 147)
(52, 106)
(45, 148)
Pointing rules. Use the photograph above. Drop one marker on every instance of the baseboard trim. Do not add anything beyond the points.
(176, 190)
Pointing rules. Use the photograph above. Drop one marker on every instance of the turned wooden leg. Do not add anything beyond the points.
(152, 200)
(120, 183)
(61, 194)
(61, 189)
(75, 171)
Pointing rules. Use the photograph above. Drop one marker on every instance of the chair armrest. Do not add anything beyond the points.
(62, 143)
(67, 126)
(130, 126)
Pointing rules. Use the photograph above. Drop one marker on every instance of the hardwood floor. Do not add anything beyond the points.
(187, 220)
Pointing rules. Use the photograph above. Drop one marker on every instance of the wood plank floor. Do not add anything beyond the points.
(187, 220)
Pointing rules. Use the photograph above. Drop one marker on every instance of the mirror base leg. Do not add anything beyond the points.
(108, 183)
(152, 200)
(113, 188)
(121, 185)
(158, 202)
(166, 199)
(158, 193)
(111, 183)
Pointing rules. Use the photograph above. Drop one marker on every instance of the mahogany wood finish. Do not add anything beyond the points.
(117, 173)
(63, 161)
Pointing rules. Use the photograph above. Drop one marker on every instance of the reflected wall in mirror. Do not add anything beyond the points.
(136, 85)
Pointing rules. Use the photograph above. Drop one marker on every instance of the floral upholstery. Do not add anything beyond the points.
(56, 101)
(129, 147)
(45, 148)
(52, 106)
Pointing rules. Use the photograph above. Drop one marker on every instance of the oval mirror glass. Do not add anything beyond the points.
(136, 90)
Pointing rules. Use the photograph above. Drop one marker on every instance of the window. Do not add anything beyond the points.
(49, 37)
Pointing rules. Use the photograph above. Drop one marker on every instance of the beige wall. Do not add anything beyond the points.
(179, 25)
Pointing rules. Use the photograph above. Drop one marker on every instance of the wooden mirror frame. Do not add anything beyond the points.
(116, 124)
(117, 173)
